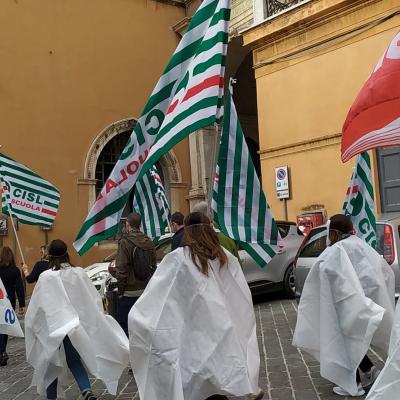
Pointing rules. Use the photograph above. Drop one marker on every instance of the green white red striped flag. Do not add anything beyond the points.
(150, 201)
(359, 204)
(187, 97)
(30, 198)
(239, 205)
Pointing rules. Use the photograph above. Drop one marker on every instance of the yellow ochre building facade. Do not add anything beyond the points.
(74, 77)
(310, 60)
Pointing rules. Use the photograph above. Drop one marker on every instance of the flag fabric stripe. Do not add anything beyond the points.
(239, 204)
(151, 203)
(26, 179)
(374, 119)
(359, 203)
(13, 165)
(181, 103)
(27, 196)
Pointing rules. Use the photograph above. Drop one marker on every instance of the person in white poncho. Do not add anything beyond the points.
(387, 385)
(347, 304)
(192, 332)
(65, 326)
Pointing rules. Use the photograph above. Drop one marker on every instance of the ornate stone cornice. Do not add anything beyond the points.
(178, 3)
(300, 147)
(180, 27)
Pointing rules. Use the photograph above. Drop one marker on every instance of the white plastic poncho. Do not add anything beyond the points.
(336, 320)
(192, 336)
(9, 324)
(387, 385)
(64, 303)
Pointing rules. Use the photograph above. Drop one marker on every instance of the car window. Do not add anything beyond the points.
(163, 249)
(315, 243)
(283, 230)
(380, 234)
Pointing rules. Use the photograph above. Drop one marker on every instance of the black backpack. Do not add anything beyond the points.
(142, 262)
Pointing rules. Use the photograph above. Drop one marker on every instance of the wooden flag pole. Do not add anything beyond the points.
(166, 216)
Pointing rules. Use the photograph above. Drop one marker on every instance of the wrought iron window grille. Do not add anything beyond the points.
(276, 6)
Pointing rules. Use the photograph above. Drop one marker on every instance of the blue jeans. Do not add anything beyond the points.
(75, 365)
(124, 305)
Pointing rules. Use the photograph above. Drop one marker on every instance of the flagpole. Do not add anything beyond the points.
(210, 183)
(166, 215)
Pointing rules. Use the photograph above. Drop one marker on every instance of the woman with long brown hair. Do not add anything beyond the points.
(12, 280)
(192, 332)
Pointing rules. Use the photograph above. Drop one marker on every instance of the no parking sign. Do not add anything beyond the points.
(282, 182)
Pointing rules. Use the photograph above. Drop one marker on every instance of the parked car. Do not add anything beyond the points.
(277, 276)
(387, 244)
(99, 273)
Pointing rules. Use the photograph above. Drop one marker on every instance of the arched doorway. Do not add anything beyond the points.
(108, 158)
(105, 151)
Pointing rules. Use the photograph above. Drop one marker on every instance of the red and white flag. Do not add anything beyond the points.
(374, 118)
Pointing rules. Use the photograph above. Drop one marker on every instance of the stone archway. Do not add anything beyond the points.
(169, 162)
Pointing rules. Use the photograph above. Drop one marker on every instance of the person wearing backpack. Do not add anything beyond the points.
(135, 264)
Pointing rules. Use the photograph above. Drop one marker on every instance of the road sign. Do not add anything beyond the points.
(282, 182)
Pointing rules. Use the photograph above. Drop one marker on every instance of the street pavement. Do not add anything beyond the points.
(286, 373)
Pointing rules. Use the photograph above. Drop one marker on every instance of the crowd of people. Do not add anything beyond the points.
(187, 326)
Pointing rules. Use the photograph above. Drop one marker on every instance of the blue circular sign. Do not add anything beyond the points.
(281, 174)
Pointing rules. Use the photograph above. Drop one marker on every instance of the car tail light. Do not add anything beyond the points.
(112, 269)
(388, 244)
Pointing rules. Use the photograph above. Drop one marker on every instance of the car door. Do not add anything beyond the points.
(275, 270)
(313, 246)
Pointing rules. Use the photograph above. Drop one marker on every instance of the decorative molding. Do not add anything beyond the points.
(169, 162)
(299, 147)
(177, 3)
(180, 27)
(171, 168)
(100, 142)
(86, 182)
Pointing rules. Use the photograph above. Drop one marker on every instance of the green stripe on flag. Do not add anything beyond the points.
(250, 223)
(194, 53)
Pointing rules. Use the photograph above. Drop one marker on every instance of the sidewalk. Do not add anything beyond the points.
(286, 373)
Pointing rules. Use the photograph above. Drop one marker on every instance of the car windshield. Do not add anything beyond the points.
(315, 244)
(379, 238)
(283, 230)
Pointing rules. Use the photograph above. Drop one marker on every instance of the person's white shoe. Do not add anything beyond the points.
(341, 392)
(256, 396)
(368, 378)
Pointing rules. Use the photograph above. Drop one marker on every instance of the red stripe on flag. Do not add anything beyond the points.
(354, 190)
(215, 80)
(172, 106)
(46, 211)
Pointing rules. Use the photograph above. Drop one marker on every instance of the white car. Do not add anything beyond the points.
(98, 274)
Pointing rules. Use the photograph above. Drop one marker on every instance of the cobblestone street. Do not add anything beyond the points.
(285, 373)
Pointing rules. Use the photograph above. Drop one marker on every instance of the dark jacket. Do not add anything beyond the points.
(176, 240)
(37, 269)
(12, 281)
(125, 276)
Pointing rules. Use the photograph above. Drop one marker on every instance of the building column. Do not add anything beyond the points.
(202, 145)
